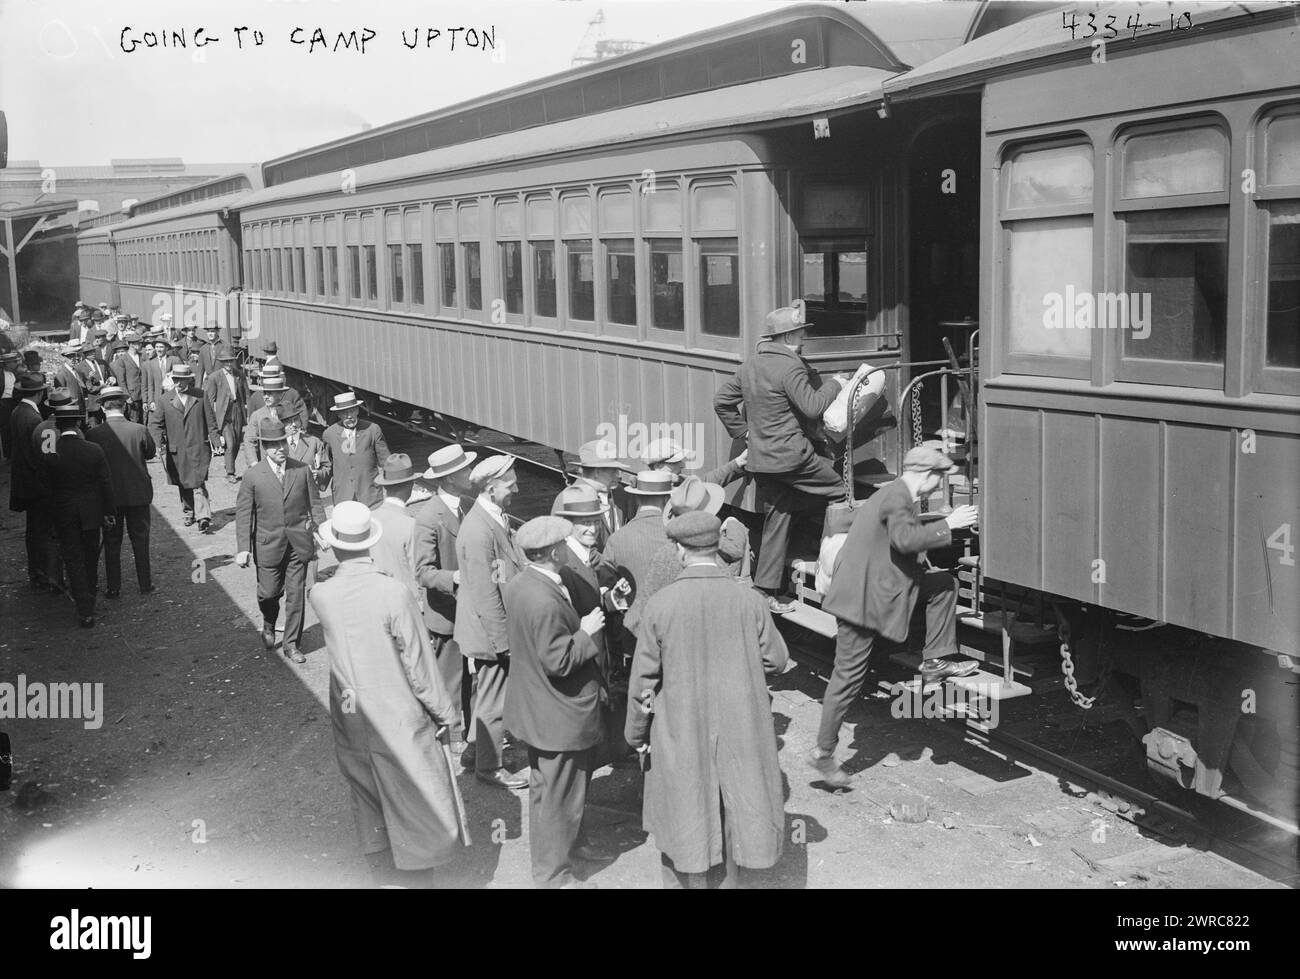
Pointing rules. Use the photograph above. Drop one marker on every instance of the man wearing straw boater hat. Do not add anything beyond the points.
(599, 468)
(189, 432)
(553, 702)
(783, 399)
(487, 559)
(272, 390)
(356, 452)
(391, 713)
(395, 553)
(227, 391)
(276, 516)
(437, 524)
(128, 446)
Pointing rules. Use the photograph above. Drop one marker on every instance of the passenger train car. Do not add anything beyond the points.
(1085, 219)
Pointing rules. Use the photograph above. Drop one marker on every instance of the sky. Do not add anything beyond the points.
(74, 97)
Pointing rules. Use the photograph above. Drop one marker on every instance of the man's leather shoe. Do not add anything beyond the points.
(291, 652)
(778, 607)
(112, 594)
(148, 589)
(204, 524)
(86, 622)
(232, 478)
(268, 635)
(829, 770)
(502, 779)
(189, 520)
(934, 670)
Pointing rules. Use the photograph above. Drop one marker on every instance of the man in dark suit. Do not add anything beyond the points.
(553, 701)
(277, 515)
(10, 370)
(128, 370)
(127, 445)
(93, 374)
(878, 578)
(81, 491)
(208, 348)
(68, 374)
(157, 384)
(356, 450)
(189, 429)
(598, 469)
(226, 389)
(487, 559)
(29, 483)
(437, 524)
(783, 400)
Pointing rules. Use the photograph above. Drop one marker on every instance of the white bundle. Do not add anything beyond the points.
(836, 417)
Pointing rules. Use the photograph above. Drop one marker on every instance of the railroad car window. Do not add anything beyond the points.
(352, 235)
(794, 48)
(1279, 200)
(331, 283)
(1282, 158)
(299, 245)
(414, 227)
(834, 258)
(668, 284)
(468, 221)
(600, 94)
(720, 287)
(393, 247)
(509, 229)
(540, 224)
(620, 256)
(663, 208)
(575, 214)
(640, 84)
(734, 63)
(582, 280)
(1174, 218)
(444, 232)
(369, 269)
(563, 103)
(316, 233)
(714, 207)
(689, 73)
(1057, 175)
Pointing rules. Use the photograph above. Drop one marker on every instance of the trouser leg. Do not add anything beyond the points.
(113, 551)
(489, 713)
(675, 880)
(71, 547)
(939, 592)
(852, 657)
(40, 560)
(450, 664)
(233, 436)
(295, 593)
(137, 527)
(780, 497)
(557, 795)
(187, 500)
(90, 557)
(270, 586)
(202, 504)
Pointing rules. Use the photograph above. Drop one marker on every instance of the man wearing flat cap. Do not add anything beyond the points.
(487, 559)
(227, 391)
(668, 456)
(356, 449)
(699, 708)
(599, 468)
(437, 572)
(389, 708)
(127, 446)
(783, 400)
(395, 553)
(277, 513)
(553, 701)
(878, 578)
(189, 430)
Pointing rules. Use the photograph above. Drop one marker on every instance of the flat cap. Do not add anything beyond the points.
(543, 532)
(695, 529)
(491, 468)
(786, 319)
(926, 458)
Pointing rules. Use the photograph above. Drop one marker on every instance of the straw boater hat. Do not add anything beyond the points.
(652, 482)
(351, 527)
(490, 468)
(271, 430)
(111, 391)
(578, 503)
(542, 532)
(397, 469)
(691, 494)
(71, 348)
(600, 454)
(787, 319)
(182, 372)
(270, 348)
(448, 460)
(344, 401)
(273, 381)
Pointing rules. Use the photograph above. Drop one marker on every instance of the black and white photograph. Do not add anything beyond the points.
(652, 445)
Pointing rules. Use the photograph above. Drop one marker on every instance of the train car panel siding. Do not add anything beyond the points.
(1069, 503)
(1130, 532)
(1267, 609)
(1013, 489)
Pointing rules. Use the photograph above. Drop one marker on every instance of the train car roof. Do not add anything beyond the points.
(1044, 38)
(773, 100)
(221, 186)
(882, 35)
(205, 206)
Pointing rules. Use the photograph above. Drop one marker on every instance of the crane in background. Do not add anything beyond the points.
(595, 46)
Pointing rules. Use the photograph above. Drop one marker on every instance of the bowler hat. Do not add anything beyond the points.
(542, 532)
(447, 460)
(270, 430)
(578, 502)
(695, 529)
(600, 454)
(397, 469)
(693, 493)
(787, 319)
(351, 528)
(652, 482)
(343, 402)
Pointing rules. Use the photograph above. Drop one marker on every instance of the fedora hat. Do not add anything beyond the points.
(693, 493)
(59, 397)
(578, 502)
(225, 353)
(32, 383)
(447, 460)
(351, 528)
(652, 482)
(344, 401)
(787, 319)
(397, 469)
(11, 354)
(270, 430)
(600, 454)
(270, 348)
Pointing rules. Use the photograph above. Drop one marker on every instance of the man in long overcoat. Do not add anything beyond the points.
(127, 446)
(553, 701)
(29, 483)
(189, 428)
(713, 784)
(357, 450)
(395, 553)
(387, 702)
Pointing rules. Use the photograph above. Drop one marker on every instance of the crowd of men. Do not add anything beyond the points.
(592, 635)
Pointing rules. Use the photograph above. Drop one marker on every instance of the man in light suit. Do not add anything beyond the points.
(395, 552)
(93, 374)
(488, 559)
(127, 446)
(157, 383)
(226, 389)
(277, 515)
(879, 577)
(356, 451)
(553, 702)
(437, 524)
